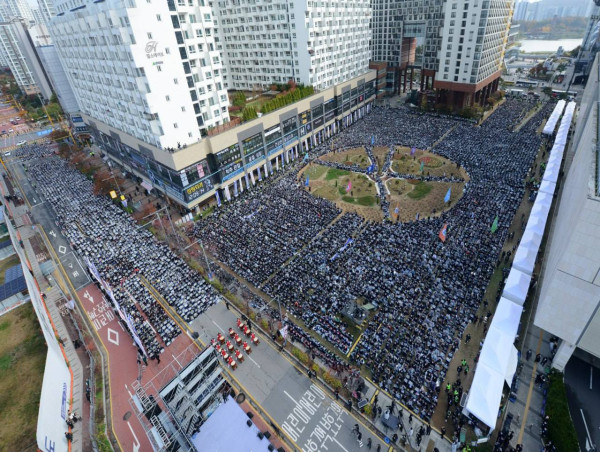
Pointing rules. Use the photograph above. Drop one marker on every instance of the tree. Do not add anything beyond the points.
(547, 91)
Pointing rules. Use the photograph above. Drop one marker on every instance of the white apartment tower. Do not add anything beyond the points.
(318, 43)
(13, 54)
(149, 68)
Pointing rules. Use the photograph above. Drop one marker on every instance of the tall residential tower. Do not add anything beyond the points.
(462, 44)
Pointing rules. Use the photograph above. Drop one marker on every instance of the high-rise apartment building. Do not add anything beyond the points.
(15, 49)
(9, 9)
(463, 45)
(46, 9)
(273, 41)
(148, 68)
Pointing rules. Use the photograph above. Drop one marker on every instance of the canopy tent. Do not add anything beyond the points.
(540, 211)
(517, 286)
(528, 249)
(525, 258)
(512, 365)
(543, 199)
(485, 395)
(565, 124)
(547, 187)
(551, 172)
(507, 317)
(556, 154)
(537, 223)
(496, 352)
(553, 119)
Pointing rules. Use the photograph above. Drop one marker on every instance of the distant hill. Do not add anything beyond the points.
(557, 28)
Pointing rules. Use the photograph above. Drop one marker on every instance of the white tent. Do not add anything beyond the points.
(551, 172)
(553, 119)
(525, 259)
(543, 199)
(527, 251)
(485, 395)
(496, 353)
(537, 223)
(556, 154)
(507, 317)
(517, 286)
(548, 187)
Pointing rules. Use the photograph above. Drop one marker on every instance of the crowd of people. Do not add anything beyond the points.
(424, 290)
(127, 257)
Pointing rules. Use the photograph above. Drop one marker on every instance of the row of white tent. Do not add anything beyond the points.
(554, 117)
(498, 359)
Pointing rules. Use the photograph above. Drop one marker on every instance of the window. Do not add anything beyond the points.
(149, 35)
(207, 17)
(198, 33)
(175, 126)
(175, 81)
(167, 51)
(183, 109)
(192, 18)
(167, 98)
(158, 17)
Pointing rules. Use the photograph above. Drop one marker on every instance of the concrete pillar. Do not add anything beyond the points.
(563, 354)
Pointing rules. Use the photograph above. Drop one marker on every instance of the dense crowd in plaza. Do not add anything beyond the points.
(319, 262)
(123, 254)
(424, 290)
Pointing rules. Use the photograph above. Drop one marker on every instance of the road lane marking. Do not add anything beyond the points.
(338, 443)
(222, 330)
(589, 438)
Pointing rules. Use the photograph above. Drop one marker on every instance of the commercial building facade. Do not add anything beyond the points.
(220, 167)
(569, 304)
(463, 44)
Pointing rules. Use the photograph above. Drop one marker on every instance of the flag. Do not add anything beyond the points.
(218, 198)
(494, 227)
(417, 216)
(396, 210)
(372, 140)
(442, 233)
(306, 157)
(422, 166)
(413, 150)
(447, 197)
(235, 189)
(349, 187)
(306, 182)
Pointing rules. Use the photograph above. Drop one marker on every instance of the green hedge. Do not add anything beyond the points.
(293, 96)
(561, 430)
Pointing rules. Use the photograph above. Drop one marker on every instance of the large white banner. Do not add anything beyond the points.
(54, 405)
(56, 386)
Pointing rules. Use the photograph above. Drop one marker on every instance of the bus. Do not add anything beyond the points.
(527, 84)
(516, 92)
(564, 94)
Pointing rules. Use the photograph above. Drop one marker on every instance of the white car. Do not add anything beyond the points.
(21, 143)
(10, 130)
(7, 154)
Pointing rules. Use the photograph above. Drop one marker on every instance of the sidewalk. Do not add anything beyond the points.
(53, 300)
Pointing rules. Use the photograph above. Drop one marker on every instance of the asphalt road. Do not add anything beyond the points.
(583, 393)
(43, 214)
(305, 412)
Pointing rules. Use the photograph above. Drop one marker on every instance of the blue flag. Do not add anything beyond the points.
(218, 198)
(306, 182)
(396, 210)
(413, 150)
(447, 197)
(372, 140)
